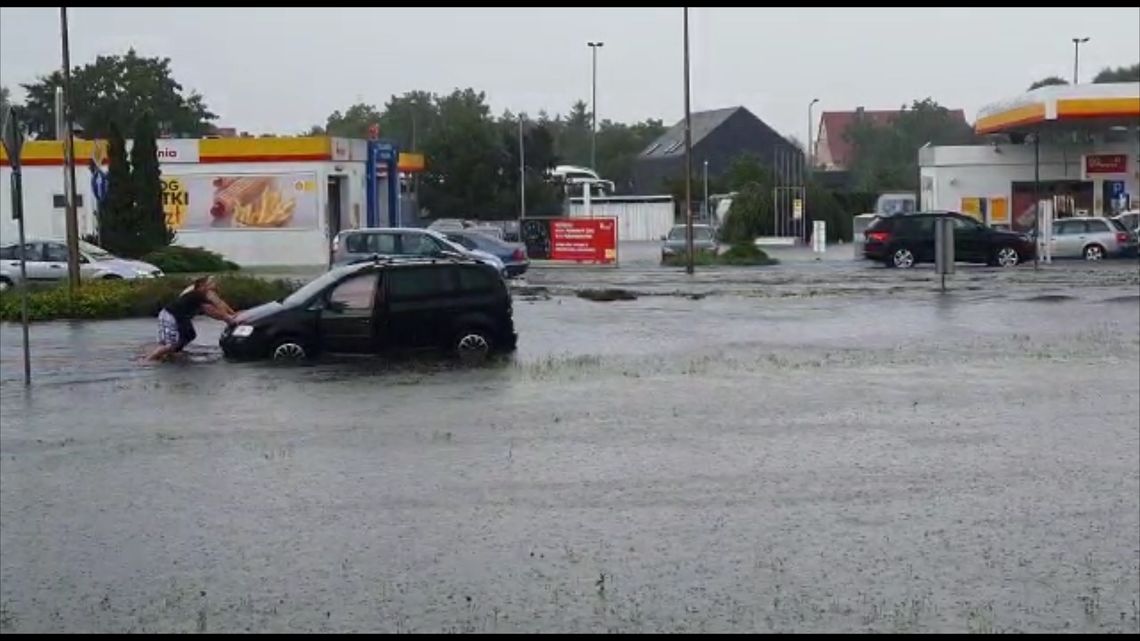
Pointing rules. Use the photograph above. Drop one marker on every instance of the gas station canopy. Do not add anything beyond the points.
(1077, 106)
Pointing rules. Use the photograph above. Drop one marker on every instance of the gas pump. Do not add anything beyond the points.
(382, 154)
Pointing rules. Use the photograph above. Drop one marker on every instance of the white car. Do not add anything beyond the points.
(47, 261)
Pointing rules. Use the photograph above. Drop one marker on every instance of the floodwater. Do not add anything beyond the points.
(811, 447)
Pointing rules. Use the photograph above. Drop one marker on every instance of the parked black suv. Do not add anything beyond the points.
(907, 239)
(460, 306)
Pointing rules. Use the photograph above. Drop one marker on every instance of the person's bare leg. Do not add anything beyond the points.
(161, 353)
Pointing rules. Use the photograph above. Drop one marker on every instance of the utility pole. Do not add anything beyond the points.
(69, 162)
(688, 157)
(522, 172)
(594, 46)
(810, 153)
(708, 214)
(1077, 42)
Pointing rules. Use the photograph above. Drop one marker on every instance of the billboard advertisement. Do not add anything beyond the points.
(245, 201)
(580, 240)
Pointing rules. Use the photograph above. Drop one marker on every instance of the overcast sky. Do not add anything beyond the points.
(283, 70)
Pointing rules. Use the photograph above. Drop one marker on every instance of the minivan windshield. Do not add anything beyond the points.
(314, 287)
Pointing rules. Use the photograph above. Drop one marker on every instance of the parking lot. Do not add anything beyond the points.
(816, 446)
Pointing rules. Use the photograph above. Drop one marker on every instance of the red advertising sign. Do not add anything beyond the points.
(1106, 163)
(584, 240)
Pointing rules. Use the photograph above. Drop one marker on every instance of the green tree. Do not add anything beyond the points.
(116, 89)
(4, 98)
(618, 147)
(410, 120)
(353, 123)
(117, 226)
(886, 157)
(146, 178)
(1048, 82)
(467, 160)
(573, 135)
(1119, 74)
(543, 197)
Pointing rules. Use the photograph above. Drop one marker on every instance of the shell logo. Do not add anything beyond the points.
(304, 185)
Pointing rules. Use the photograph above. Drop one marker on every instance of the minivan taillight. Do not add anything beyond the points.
(879, 236)
(519, 254)
(1122, 237)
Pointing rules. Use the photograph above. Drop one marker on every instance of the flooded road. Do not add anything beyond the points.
(812, 447)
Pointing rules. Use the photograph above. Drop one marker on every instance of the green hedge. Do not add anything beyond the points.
(188, 260)
(103, 299)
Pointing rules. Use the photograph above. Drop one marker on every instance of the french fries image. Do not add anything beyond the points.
(233, 193)
(270, 210)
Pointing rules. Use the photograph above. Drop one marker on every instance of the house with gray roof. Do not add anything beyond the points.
(719, 136)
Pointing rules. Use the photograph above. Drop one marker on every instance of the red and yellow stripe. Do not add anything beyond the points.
(212, 151)
(1024, 115)
(1098, 107)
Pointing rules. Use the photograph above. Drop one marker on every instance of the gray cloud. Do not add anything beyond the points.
(286, 69)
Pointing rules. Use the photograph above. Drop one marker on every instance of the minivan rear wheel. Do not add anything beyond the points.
(1007, 257)
(1094, 252)
(473, 345)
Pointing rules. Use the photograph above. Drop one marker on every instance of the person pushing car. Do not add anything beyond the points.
(175, 321)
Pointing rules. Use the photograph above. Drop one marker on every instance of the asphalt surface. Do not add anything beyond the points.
(817, 446)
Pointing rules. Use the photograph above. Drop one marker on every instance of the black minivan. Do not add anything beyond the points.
(458, 305)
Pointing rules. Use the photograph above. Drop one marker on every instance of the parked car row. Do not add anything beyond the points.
(46, 260)
(904, 241)
(364, 244)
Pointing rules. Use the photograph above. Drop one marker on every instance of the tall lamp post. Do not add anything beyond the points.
(72, 223)
(594, 46)
(1077, 42)
(811, 126)
(688, 158)
(810, 168)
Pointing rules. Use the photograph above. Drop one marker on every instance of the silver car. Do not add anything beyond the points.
(47, 261)
(1130, 220)
(355, 245)
(1092, 238)
(674, 244)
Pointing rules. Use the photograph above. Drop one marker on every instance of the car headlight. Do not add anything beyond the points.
(668, 250)
(242, 331)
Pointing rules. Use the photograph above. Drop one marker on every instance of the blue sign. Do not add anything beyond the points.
(385, 152)
(1117, 187)
(99, 183)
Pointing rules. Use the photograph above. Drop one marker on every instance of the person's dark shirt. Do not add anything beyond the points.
(187, 305)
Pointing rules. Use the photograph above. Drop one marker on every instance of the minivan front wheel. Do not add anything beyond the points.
(473, 346)
(902, 258)
(289, 350)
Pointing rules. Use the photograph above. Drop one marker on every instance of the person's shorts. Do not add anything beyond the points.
(173, 333)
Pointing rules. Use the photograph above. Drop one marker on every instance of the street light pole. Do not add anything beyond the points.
(810, 153)
(522, 172)
(594, 46)
(708, 214)
(1077, 42)
(688, 157)
(72, 222)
